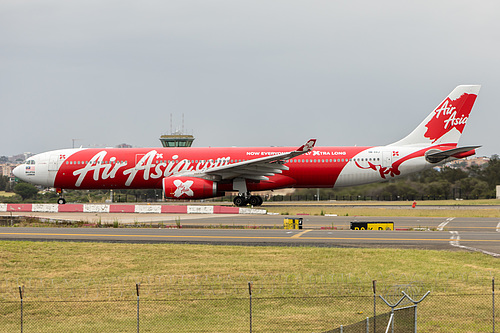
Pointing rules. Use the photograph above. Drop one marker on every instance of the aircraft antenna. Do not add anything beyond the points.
(74, 141)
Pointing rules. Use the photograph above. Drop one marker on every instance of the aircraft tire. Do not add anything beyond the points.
(61, 201)
(239, 201)
(255, 200)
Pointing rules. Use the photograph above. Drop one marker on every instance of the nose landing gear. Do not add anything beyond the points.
(61, 200)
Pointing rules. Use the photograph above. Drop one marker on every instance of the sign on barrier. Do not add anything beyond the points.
(3, 207)
(48, 208)
(96, 208)
(200, 209)
(251, 211)
(148, 209)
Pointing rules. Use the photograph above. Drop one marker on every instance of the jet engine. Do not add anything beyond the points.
(188, 188)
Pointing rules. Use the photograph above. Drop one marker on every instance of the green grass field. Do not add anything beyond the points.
(381, 211)
(208, 285)
(455, 208)
(82, 287)
(73, 260)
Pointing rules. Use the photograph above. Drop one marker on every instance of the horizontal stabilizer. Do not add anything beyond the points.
(436, 156)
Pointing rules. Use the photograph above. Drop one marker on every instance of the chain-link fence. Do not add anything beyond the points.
(227, 305)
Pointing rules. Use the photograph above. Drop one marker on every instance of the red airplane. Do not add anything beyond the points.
(199, 173)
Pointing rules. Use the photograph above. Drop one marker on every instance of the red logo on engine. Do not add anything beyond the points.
(183, 188)
(450, 114)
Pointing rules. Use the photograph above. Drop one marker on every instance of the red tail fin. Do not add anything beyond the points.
(446, 123)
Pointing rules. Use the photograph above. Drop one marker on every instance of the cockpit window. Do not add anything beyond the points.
(30, 162)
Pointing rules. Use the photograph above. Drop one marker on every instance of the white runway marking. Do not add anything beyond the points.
(442, 225)
(455, 241)
(498, 227)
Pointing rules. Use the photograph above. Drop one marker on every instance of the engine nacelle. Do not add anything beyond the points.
(188, 188)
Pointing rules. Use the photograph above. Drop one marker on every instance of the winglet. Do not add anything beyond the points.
(308, 146)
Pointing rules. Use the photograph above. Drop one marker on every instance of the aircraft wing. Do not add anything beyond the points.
(254, 169)
(460, 152)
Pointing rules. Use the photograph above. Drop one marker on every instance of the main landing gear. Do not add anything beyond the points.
(61, 200)
(243, 200)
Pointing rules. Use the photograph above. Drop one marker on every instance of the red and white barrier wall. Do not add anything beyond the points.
(146, 209)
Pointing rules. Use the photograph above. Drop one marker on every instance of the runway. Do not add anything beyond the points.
(471, 234)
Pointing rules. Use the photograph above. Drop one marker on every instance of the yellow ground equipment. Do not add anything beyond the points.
(292, 223)
(372, 225)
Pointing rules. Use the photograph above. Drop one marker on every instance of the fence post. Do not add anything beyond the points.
(392, 306)
(250, 293)
(21, 295)
(374, 305)
(493, 296)
(391, 322)
(137, 290)
(415, 303)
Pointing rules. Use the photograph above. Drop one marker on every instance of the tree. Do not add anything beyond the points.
(3, 182)
(25, 190)
(453, 175)
(491, 173)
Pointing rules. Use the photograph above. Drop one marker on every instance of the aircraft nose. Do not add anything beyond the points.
(18, 171)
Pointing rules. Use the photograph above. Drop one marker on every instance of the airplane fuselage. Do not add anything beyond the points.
(139, 168)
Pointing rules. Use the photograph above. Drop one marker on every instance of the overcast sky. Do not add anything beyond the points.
(243, 73)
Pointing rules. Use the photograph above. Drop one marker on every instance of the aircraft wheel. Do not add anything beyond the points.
(260, 201)
(255, 200)
(61, 201)
(239, 201)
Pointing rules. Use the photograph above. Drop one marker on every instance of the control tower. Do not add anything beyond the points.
(177, 138)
